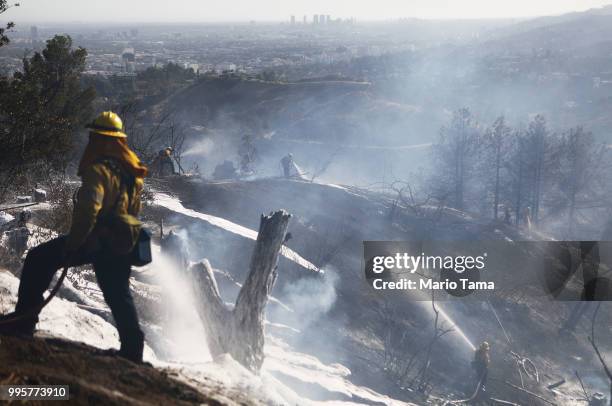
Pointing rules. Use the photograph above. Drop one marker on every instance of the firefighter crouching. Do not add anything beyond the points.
(103, 232)
(163, 165)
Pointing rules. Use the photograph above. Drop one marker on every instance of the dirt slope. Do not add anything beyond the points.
(96, 378)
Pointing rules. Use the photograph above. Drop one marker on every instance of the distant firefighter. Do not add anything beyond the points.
(287, 164)
(481, 363)
(163, 163)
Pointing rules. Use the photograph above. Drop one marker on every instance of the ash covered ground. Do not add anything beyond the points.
(329, 337)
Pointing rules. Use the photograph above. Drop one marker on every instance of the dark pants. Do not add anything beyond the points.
(481, 373)
(112, 273)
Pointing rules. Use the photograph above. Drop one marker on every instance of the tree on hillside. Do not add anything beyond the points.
(496, 142)
(580, 168)
(455, 158)
(248, 154)
(41, 108)
(538, 142)
(148, 134)
(534, 160)
(4, 5)
(516, 167)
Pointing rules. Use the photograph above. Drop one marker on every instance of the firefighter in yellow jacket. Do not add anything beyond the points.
(103, 232)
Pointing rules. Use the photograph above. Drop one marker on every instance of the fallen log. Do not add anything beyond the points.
(240, 331)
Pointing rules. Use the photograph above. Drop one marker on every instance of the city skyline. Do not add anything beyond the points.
(159, 11)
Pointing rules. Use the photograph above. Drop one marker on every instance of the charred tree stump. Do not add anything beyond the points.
(240, 331)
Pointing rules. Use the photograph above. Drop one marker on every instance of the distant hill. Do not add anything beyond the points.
(332, 111)
(567, 31)
(317, 120)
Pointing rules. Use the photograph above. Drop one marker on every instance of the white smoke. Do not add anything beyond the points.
(310, 298)
(185, 337)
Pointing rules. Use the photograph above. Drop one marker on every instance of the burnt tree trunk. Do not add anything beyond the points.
(240, 331)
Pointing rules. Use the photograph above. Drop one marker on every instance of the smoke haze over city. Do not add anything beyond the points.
(268, 10)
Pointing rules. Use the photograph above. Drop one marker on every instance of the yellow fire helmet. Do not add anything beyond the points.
(108, 124)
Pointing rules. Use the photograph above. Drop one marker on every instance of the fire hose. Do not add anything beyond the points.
(476, 391)
(13, 317)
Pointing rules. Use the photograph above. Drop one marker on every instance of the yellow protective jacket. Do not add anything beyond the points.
(101, 192)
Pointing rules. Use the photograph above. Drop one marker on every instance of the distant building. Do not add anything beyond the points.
(321, 18)
(292, 20)
(134, 32)
(315, 19)
(226, 67)
(127, 56)
(305, 20)
(193, 66)
(328, 18)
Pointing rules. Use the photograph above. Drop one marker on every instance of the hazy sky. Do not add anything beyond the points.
(242, 10)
